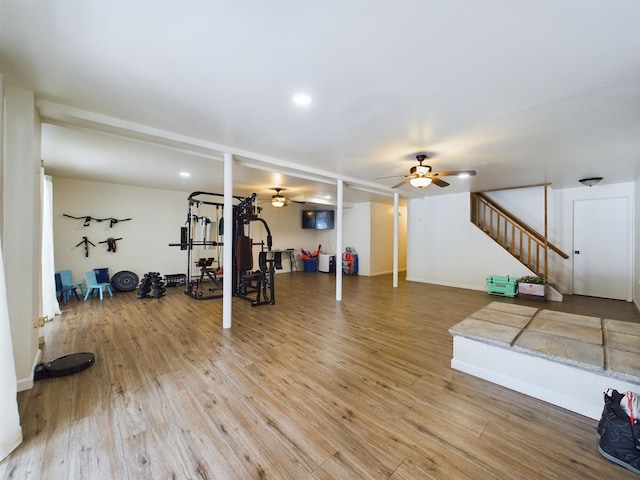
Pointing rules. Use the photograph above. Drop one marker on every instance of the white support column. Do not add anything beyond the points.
(227, 280)
(339, 241)
(396, 215)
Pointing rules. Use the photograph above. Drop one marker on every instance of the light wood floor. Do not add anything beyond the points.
(308, 388)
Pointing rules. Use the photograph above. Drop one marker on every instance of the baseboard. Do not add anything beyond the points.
(446, 284)
(27, 383)
(387, 272)
(12, 441)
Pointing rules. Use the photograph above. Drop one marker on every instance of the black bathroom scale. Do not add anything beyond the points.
(66, 365)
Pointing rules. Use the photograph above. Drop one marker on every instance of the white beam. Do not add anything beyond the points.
(340, 193)
(396, 214)
(227, 261)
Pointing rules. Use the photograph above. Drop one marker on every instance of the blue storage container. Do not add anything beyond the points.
(310, 265)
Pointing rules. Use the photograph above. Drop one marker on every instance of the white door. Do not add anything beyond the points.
(601, 260)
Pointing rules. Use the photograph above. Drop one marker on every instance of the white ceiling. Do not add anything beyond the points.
(524, 92)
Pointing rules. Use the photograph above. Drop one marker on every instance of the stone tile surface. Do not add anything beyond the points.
(578, 340)
(561, 328)
(485, 331)
(623, 341)
(629, 328)
(512, 308)
(503, 318)
(563, 349)
(582, 320)
(624, 362)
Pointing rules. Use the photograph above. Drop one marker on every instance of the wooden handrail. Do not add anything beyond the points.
(489, 216)
(530, 230)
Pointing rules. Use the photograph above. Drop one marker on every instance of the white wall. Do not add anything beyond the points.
(381, 233)
(157, 216)
(357, 234)
(286, 231)
(636, 250)
(10, 430)
(21, 229)
(526, 203)
(445, 248)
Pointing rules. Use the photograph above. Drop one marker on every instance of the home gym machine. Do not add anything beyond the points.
(255, 286)
(202, 284)
(247, 281)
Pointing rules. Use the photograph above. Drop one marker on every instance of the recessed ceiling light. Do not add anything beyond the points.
(185, 174)
(302, 99)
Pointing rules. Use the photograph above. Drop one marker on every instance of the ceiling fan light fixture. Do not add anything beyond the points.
(420, 182)
(590, 182)
(278, 200)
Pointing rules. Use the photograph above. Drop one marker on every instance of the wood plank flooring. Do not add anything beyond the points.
(309, 389)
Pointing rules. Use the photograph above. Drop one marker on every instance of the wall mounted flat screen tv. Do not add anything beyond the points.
(318, 219)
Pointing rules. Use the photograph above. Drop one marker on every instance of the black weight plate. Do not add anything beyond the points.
(124, 281)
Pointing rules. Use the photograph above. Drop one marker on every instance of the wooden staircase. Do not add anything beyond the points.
(523, 242)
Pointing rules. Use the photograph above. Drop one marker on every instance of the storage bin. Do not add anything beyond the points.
(310, 265)
(504, 286)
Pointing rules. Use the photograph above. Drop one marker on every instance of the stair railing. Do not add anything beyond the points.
(522, 241)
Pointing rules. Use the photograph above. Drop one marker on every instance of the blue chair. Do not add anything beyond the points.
(63, 291)
(94, 286)
(67, 280)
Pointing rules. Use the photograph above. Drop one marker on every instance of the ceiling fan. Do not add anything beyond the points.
(279, 201)
(421, 176)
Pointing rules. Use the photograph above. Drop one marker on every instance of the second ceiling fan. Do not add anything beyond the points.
(421, 176)
(278, 200)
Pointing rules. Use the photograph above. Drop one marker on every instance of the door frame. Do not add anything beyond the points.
(627, 294)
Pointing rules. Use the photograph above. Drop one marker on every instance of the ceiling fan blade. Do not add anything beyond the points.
(390, 176)
(436, 181)
(453, 173)
(406, 180)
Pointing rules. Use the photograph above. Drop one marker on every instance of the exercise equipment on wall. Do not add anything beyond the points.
(86, 242)
(111, 244)
(206, 282)
(87, 219)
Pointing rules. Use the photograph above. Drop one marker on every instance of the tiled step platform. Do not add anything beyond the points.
(564, 359)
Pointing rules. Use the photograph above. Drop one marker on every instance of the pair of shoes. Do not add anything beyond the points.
(619, 437)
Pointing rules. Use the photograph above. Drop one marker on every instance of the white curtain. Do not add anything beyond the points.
(10, 431)
(50, 305)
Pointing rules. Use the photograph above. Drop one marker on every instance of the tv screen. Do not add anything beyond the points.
(318, 219)
(308, 219)
(324, 219)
